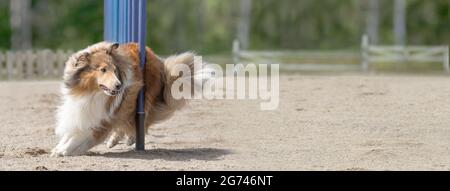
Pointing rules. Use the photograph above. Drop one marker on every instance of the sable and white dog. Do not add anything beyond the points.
(101, 85)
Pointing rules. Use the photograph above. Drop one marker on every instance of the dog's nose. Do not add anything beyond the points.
(118, 86)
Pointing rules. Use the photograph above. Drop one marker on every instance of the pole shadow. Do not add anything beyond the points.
(207, 154)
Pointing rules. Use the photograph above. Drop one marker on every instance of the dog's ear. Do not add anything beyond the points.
(82, 59)
(86, 55)
(113, 47)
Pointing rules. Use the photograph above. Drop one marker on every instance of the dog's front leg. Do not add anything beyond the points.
(130, 133)
(78, 142)
(116, 136)
(71, 142)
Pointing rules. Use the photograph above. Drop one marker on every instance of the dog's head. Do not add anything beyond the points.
(93, 69)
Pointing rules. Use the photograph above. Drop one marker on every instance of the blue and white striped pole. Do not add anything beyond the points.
(125, 21)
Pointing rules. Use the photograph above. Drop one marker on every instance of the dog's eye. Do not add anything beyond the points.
(103, 70)
(78, 63)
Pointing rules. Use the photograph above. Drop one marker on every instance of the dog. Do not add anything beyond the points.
(100, 87)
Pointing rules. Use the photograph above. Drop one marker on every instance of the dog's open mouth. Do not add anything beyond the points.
(108, 91)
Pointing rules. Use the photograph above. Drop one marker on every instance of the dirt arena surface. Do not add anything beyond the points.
(341, 122)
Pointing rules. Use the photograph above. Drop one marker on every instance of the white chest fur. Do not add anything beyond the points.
(82, 113)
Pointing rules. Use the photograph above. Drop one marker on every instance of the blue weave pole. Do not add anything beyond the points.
(125, 21)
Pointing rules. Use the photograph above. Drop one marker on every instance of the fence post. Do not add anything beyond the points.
(42, 63)
(2, 59)
(446, 62)
(60, 58)
(235, 51)
(406, 54)
(29, 62)
(52, 63)
(20, 61)
(365, 53)
(9, 64)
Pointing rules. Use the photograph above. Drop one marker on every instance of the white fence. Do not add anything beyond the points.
(32, 64)
(372, 53)
(296, 60)
(345, 60)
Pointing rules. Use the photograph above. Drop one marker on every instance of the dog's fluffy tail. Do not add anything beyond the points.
(179, 69)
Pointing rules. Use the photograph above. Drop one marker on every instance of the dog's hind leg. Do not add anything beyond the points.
(130, 132)
(131, 139)
(121, 128)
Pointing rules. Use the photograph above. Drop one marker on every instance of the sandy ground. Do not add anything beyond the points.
(346, 122)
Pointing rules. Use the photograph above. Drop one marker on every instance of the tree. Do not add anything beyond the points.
(20, 15)
(209, 26)
(373, 21)
(244, 23)
(400, 22)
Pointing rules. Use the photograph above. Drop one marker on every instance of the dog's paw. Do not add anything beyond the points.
(73, 145)
(58, 152)
(65, 152)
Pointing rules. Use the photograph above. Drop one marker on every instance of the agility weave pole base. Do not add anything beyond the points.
(125, 21)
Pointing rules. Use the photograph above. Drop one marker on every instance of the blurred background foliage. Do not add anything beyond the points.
(210, 26)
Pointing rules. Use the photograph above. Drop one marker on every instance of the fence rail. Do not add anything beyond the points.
(32, 64)
(371, 53)
(300, 60)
